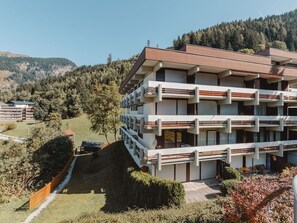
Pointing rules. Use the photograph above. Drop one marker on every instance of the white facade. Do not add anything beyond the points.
(185, 122)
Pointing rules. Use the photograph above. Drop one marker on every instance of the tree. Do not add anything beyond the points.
(105, 110)
(247, 51)
(55, 122)
(278, 45)
(109, 59)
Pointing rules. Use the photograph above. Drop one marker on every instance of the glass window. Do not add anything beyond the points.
(169, 139)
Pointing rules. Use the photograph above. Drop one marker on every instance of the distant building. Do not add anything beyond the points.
(16, 110)
(191, 112)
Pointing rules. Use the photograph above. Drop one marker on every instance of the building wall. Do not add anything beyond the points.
(236, 161)
(194, 172)
(181, 172)
(167, 172)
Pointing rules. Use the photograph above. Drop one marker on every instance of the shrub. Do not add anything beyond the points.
(146, 191)
(10, 126)
(228, 184)
(231, 173)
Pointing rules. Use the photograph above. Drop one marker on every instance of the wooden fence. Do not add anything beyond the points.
(39, 196)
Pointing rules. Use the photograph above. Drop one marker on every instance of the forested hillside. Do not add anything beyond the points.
(254, 34)
(16, 69)
(69, 94)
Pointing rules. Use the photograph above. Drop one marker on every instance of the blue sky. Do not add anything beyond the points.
(86, 31)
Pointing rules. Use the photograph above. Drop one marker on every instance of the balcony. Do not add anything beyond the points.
(225, 152)
(156, 91)
(156, 123)
(195, 154)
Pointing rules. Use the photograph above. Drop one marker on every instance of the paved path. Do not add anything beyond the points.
(201, 190)
(13, 138)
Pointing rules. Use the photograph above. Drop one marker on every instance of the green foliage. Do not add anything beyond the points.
(146, 191)
(247, 51)
(25, 167)
(254, 34)
(199, 212)
(105, 111)
(228, 184)
(69, 95)
(54, 122)
(10, 126)
(278, 45)
(231, 173)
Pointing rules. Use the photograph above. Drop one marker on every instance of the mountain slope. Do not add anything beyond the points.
(255, 34)
(16, 69)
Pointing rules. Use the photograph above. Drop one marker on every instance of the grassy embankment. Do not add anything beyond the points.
(80, 125)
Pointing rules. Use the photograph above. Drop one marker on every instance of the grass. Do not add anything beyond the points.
(95, 186)
(95, 194)
(9, 212)
(80, 125)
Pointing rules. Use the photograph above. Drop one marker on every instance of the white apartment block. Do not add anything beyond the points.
(191, 112)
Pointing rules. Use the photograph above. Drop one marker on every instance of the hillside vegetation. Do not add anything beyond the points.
(23, 69)
(256, 34)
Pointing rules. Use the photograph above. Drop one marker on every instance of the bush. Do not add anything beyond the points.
(231, 173)
(146, 191)
(10, 126)
(228, 184)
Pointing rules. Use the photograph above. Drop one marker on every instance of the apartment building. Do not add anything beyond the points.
(189, 113)
(16, 110)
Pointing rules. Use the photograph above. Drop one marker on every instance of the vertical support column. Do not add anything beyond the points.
(196, 98)
(257, 153)
(159, 130)
(142, 94)
(229, 126)
(281, 150)
(159, 92)
(159, 162)
(196, 159)
(229, 153)
(135, 97)
(257, 98)
(134, 148)
(196, 130)
(257, 125)
(281, 125)
(281, 99)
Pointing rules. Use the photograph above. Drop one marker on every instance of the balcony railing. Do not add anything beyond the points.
(154, 90)
(217, 152)
(197, 122)
(195, 154)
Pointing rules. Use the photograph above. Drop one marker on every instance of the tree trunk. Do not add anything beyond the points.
(115, 134)
(106, 138)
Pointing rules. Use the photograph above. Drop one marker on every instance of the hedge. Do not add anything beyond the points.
(228, 184)
(231, 173)
(146, 191)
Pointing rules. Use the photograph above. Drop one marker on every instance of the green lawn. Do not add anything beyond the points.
(80, 125)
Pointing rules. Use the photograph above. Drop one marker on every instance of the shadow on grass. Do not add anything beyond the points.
(102, 175)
